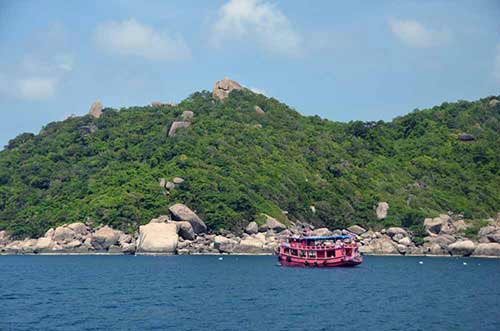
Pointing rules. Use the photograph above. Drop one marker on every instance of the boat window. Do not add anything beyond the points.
(330, 253)
(312, 254)
(294, 252)
(302, 253)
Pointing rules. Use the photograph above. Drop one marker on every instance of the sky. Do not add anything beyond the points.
(341, 60)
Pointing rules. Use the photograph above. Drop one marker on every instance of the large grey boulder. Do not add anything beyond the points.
(224, 245)
(487, 249)
(252, 228)
(439, 225)
(79, 228)
(382, 209)
(356, 229)
(271, 224)
(251, 245)
(158, 238)
(223, 87)
(186, 230)
(105, 237)
(381, 246)
(462, 248)
(181, 212)
(44, 244)
(63, 234)
(393, 231)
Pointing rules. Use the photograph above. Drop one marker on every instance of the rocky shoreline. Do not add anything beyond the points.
(182, 232)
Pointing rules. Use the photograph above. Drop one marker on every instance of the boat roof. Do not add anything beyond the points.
(324, 237)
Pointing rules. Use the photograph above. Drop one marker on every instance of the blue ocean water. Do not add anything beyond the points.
(246, 293)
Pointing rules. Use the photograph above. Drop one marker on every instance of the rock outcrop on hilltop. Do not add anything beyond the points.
(96, 109)
(223, 87)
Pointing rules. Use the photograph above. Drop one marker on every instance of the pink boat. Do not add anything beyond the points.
(324, 251)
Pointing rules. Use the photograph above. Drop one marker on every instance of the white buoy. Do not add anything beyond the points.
(221, 258)
(465, 263)
(420, 262)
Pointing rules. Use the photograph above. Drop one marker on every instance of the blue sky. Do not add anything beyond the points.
(342, 60)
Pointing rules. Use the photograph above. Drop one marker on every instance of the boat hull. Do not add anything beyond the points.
(319, 263)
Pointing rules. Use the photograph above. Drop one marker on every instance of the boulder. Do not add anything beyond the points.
(493, 102)
(382, 209)
(434, 249)
(72, 245)
(63, 234)
(187, 115)
(176, 125)
(50, 233)
(157, 104)
(96, 109)
(158, 238)
(222, 88)
(4, 238)
(494, 236)
(178, 180)
(28, 245)
(442, 240)
(259, 110)
(125, 239)
(392, 231)
(250, 245)
(463, 248)
(381, 246)
(405, 241)
(488, 249)
(105, 237)
(186, 230)
(128, 248)
(79, 228)
(252, 228)
(321, 232)
(466, 137)
(224, 245)
(181, 212)
(271, 224)
(439, 225)
(163, 182)
(356, 229)
(44, 244)
(169, 185)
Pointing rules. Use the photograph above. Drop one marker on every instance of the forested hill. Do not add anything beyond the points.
(237, 163)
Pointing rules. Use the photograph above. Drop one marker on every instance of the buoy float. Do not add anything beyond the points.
(221, 258)
(420, 262)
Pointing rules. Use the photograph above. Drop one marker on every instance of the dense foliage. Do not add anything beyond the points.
(238, 164)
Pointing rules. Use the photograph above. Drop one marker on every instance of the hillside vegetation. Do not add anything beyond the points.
(237, 164)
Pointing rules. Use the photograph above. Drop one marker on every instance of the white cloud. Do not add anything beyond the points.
(130, 37)
(36, 88)
(35, 80)
(414, 34)
(259, 21)
(496, 65)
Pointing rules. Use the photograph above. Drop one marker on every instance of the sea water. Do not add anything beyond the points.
(246, 293)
